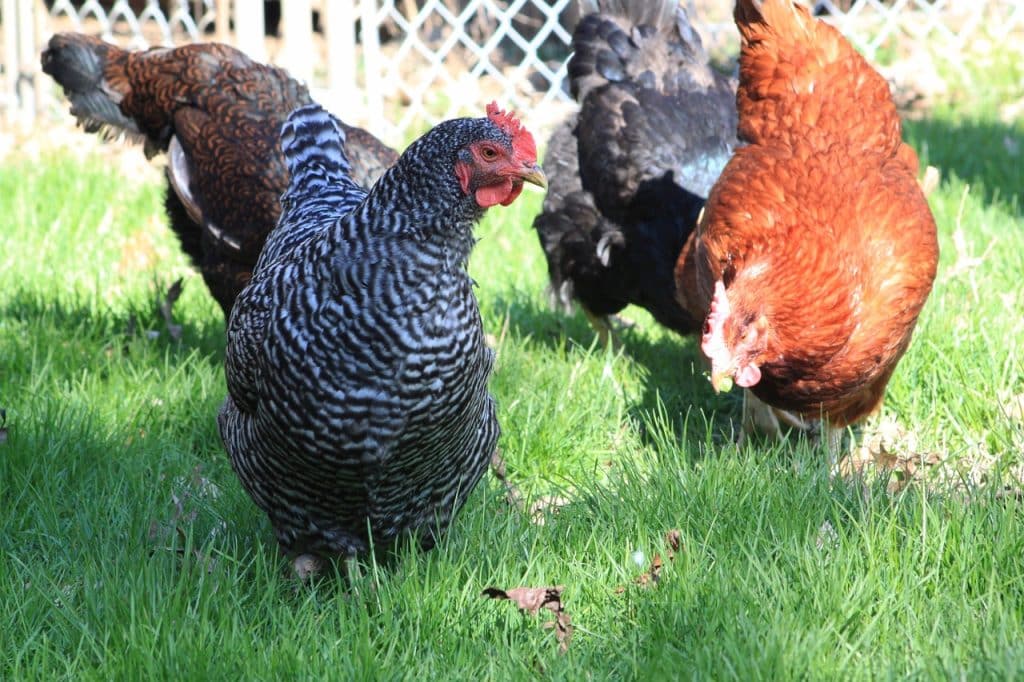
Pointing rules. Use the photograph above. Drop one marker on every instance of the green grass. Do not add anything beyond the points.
(130, 551)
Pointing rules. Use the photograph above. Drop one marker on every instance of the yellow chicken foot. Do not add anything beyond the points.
(602, 324)
(306, 566)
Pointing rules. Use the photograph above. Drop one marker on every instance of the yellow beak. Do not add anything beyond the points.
(721, 382)
(535, 176)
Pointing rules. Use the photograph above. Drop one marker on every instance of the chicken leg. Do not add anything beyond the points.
(602, 324)
(759, 417)
(607, 327)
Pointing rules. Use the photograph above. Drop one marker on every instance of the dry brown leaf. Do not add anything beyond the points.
(653, 575)
(532, 599)
(674, 540)
(892, 451)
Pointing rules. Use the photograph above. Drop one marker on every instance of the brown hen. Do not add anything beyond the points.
(817, 249)
(218, 115)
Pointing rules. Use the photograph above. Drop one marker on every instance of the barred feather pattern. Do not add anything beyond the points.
(356, 365)
(322, 189)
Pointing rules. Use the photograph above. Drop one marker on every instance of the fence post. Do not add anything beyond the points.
(222, 20)
(297, 35)
(339, 22)
(249, 28)
(9, 12)
(371, 62)
(21, 60)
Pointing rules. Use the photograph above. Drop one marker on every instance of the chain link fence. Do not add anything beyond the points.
(398, 66)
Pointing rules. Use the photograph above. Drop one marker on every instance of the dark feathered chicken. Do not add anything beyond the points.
(655, 127)
(356, 365)
(218, 114)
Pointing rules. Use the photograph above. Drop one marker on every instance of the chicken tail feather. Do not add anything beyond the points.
(321, 187)
(612, 44)
(314, 146)
(83, 66)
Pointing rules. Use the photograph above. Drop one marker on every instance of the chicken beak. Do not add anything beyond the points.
(721, 382)
(533, 174)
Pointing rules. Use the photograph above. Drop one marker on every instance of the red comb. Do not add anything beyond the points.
(506, 120)
(522, 140)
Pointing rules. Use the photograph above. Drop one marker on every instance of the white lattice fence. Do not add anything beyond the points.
(399, 65)
(145, 23)
(447, 58)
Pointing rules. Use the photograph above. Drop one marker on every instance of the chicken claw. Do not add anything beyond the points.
(306, 566)
(602, 324)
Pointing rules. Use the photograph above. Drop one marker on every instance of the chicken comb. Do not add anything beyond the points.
(506, 120)
(522, 140)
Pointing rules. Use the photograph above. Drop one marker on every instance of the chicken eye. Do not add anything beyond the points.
(489, 153)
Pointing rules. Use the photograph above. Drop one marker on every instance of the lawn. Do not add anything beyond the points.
(129, 550)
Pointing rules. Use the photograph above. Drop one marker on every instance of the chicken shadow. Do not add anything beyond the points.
(138, 321)
(986, 154)
(676, 391)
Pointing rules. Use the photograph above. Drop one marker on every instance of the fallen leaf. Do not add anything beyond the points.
(653, 575)
(674, 540)
(532, 599)
(891, 451)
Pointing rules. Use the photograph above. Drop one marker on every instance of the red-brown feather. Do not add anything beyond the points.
(819, 223)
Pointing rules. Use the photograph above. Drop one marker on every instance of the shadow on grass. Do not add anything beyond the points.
(133, 320)
(675, 386)
(986, 154)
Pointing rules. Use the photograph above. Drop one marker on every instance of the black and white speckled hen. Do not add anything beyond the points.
(218, 115)
(656, 126)
(356, 365)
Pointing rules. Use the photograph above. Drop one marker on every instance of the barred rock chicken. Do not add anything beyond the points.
(817, 249)
(218, 115)
(655, 127)
(356, 365)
